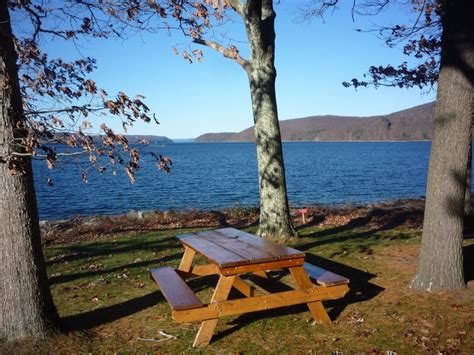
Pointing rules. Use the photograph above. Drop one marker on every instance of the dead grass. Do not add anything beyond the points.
(109, 304)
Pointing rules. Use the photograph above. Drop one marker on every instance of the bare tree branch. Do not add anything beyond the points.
(230, 52)
(237, 5)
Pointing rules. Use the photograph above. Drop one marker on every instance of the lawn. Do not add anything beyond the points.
(108, 303)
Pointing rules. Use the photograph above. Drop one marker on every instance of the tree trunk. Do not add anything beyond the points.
(275, 221)
(26, 306)
(440, 263)
(468, 194)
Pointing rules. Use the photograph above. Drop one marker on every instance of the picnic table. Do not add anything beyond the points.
(232, 253)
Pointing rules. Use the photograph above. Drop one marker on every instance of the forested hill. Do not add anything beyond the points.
(132, 139)
(151, 139)
(415, 123)
(216, 137)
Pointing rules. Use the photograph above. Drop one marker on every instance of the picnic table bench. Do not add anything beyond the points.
(232, 253)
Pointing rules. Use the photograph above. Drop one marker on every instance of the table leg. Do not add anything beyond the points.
(303, 281)
(207, 327)
(243, 287)
(187, 259)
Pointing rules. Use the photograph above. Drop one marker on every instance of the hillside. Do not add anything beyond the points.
(415, 123)
(215, 137)
(60, 138)
(152, 139)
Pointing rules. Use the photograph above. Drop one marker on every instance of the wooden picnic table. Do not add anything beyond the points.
(231, 253)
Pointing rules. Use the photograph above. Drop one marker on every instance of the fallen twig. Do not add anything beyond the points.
(166, 337)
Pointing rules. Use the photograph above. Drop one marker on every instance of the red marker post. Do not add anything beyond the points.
(302, 212)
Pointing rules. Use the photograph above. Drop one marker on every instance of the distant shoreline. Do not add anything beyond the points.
(340, 141)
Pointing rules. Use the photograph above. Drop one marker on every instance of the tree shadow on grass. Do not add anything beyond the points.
(71, 277)
(104, 315)
(100, 316)
(223, 221)
(360, 287)
(77, 252)
(386, 217)
(361, 290)
(362, 238)
(354, 223)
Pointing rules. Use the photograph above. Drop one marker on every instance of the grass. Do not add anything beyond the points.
(109, 304)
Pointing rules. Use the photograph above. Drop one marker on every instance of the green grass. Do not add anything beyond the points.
(106, 299)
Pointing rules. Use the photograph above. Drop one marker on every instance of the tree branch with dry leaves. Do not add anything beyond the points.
(60, 96)
(420, 40)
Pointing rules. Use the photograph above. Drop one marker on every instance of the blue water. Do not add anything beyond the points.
(217, 175)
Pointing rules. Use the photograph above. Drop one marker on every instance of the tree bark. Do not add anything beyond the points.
(26, 306)
(440, 264)
(275, 221)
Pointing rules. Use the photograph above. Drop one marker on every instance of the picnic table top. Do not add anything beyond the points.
(229, 247)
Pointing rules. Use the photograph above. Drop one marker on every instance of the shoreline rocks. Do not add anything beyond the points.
(81, 228)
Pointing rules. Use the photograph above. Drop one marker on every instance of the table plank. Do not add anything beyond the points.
(269, 265)
(277, 250)
(324, 277)
(238, 246)
(229, 247)
(211, 251)
(175, 290)
(260, 303)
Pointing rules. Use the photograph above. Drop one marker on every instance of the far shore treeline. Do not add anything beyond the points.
(413, 124)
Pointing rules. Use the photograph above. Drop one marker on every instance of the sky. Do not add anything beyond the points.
(312, 60)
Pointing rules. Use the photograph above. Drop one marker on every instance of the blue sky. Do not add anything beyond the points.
(312, 59)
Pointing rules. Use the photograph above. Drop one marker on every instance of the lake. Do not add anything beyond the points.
(219, 175)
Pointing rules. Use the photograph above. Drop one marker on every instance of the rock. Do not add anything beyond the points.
(149, 215)
(168, 214)
(91, 222)
(132, 214)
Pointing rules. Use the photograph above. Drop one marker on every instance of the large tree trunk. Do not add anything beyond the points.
(275, 221)
(440, 263)
(26, 306)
